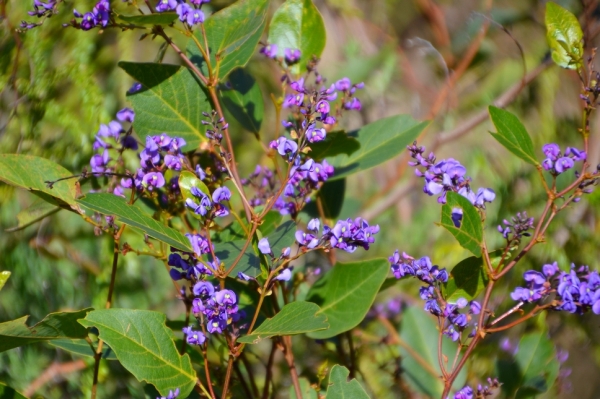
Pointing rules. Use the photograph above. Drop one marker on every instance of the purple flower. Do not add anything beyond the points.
(99, 162)
(153, 180)
(291, 55)
(293, 100)
(221, 194)
(285, 147)
(465, 393)
(314, 225)
(126, 115)
(314, 134)
(216, 325)
(263, 246)
(88, 21)
(182, 9)
(172, 394)
(563, 164)
(135, 87)
(193, 337)
(552, 151)
(343, 84)
(353, 104)
(307, 240)
(270, 51)
(226, 297)
(284, 275)
(166, 5)
(195, 16)
(576, 154)
(203, 289)
(173, 162)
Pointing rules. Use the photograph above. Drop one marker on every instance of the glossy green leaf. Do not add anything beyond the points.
(331, 196)
(467, 279)
(228, 251)
(512, 134)
(294, 318)
(31, 173)
(243, 99)
(335, 143)
(4, 278)
(533, 370)
(171, 101)
(379, 141)
(297, 24)
(187, 180)
(306, 389)
(282, 237)
(420, 333)
(57, 325)
(37, 211)
(340, 388)
(270, 222)
(470, 233)
(164, 18)
(145, 347)
(7, 392)
(564, 36)
(82, 347)
(110, 204)
(233, 34)
(345, 294)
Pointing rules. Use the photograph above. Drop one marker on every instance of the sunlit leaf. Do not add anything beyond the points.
(243, 99)
(470, 232)
(37, 211)
(110, 204)
(4, 278)
(345, 294)
(31, 173)
(145, 347)
(187, 180)
(340, 388)
(564, 36)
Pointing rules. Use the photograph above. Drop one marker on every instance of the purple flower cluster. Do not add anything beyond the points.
(206, 207)
(172, 395)
(576, 291)
(217, 306)
(346, 235)
(99, 16)
(482, 391)
(456, 322)
(160, 153)
(192, 14)
(217, 126)
(188, 265)
(557, 163)
(446, 175)
(290, 55)
(517, 228)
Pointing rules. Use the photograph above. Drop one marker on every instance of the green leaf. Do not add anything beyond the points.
(31, 173)
(294, 318)
(110, 204)
(512, 134)
(171, 101)
(420, 334)
(187, 180)
(270, 222)
(57, 325)
(233, 34)
(282, 237)
(331, 196)
(534, 369)
(470, 233)
(467, 279)
(345, 294)
(145, 347)
(564, 36)
(82, 347)
(243, 99)
(305, 388)
(340, 388)
(227, 252)
(37, 211)
(164, 18)
(297, 24)
(379, 141)
(4, 278)
(7, 392)
(335, 143)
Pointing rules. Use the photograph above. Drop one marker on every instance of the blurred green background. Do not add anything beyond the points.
(57, 85)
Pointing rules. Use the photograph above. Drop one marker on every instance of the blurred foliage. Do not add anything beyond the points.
(57, 85)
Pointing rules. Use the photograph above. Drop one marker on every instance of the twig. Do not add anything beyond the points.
(51, 373)
(289, 358)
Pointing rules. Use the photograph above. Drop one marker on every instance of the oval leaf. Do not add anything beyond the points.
(339, 387)
(82, 347)
(144, 346)
(512, 134)
(379, 141)
(57, 325)
(470, 233)
(345, 294)
(467, 280)
(110, 204)
(564, 36)
(31, 173)
(420, 334)
(297, 24)
(171, 101)
(4, 278)
(243, 99)
(534, 369)
(232, 34)
(294, 318)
